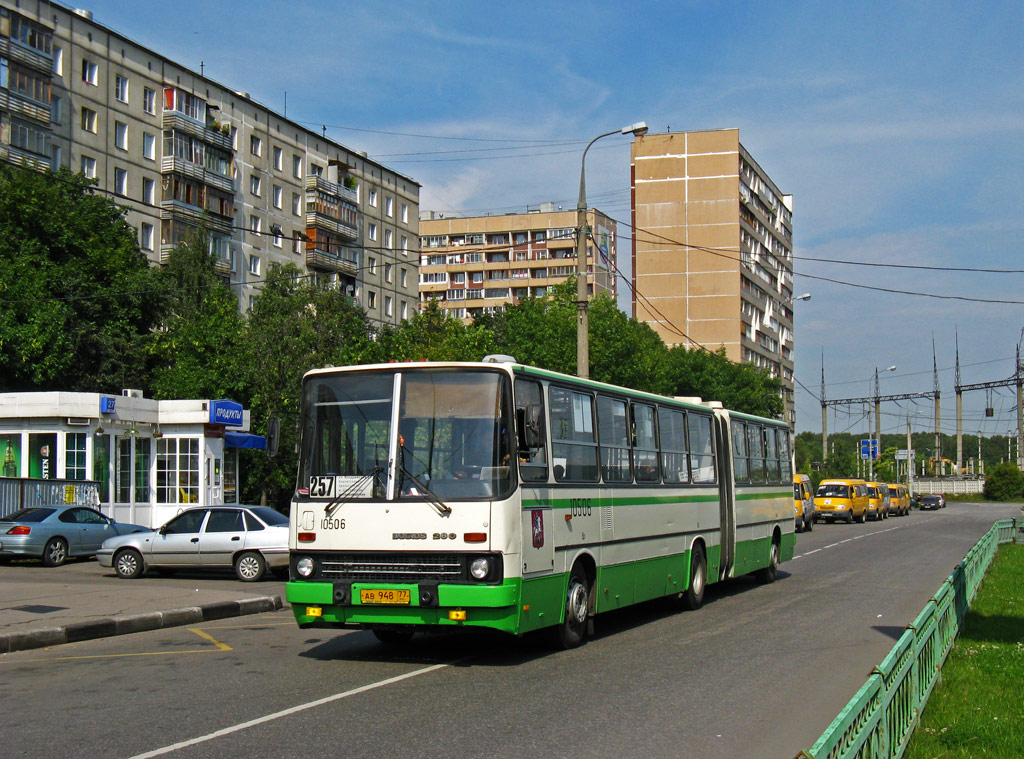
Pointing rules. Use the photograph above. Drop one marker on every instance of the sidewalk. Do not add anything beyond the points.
(41, 606)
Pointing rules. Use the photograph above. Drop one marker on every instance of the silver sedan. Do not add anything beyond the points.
(250, 539)
(54, 533)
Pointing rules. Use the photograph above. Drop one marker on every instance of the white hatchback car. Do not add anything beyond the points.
(250, 539)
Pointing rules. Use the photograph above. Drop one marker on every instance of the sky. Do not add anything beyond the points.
(897, 127)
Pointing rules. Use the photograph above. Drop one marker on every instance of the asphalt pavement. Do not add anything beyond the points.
(43, 606)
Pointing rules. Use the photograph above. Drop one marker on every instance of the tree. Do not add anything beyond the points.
(1005, 483)
(196, 352)
(627, 352)
(77, 292)
(713, 377)
(538, 331)
(433, 335)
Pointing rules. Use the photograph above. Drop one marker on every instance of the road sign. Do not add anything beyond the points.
(903, 454)
(869, 448)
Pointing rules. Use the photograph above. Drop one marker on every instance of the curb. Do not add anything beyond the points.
(132, 623)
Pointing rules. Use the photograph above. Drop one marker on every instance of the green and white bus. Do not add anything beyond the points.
(493, 494)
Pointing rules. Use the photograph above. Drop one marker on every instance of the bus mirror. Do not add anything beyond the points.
(529, 425)
(273, 435)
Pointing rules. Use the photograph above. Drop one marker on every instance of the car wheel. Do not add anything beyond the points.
(250, 566)
(573, 629)
(55, 552)
(808, 523)
(128, 564)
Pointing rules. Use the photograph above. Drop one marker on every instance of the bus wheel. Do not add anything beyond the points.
(862, 518)
(391, 636)
(693, 597)
(573, 629)
(769, 573)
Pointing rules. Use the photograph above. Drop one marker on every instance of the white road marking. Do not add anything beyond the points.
(292, 710)
(862, 535)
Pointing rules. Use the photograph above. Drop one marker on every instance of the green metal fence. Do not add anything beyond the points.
(877, 722)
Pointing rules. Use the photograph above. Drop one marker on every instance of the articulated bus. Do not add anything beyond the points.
(493, 494)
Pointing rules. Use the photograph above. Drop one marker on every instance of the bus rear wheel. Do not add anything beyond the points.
(769, 573)
(573, 629)
(693, 597)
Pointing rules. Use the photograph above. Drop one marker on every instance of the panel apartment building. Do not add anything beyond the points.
(478, 264)
(177, 149)
(713, 250)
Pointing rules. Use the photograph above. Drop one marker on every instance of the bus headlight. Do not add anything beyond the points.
(480, 568)
(305, 566)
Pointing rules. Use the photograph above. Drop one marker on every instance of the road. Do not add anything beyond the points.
(760, 671)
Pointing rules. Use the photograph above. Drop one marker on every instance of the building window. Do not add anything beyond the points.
(402, 276)
(371, 231)
(278, 158)
(149, 146)
(371, 299)
(148, 191)
(297, 166)
(405, 310)
(56, 157)
(74, 455)
(121, 88)
(405, 213)
(89, 167)
(278, 197)
(373, 198)
(389, 239)
(255, 145)
(296, 204)
(254, 265)
(389, 206)
(254, 185)
(89, 120)
(388, 308)
(90, 72)
(277, 239)
(405, 245)
(149, 100)
(387, 272)
(120, 135)
(147, 235)
(177, 470)
(255, 223)
(58, 60)
(55, 106)
(371, 264)
(121, 181)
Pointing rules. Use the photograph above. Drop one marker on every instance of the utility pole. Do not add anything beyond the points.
(958, 467)
(910, 461)
(824, 413)
(938, 433)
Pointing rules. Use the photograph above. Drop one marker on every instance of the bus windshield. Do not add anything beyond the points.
(454, 434)
(830, 490)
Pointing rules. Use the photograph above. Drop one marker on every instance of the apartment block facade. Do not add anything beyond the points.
(179, 150)
(477, 264)
(713, 250)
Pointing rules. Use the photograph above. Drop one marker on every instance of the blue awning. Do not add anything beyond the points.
(244, 440)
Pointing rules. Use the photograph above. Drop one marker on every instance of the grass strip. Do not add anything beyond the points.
(977, 709)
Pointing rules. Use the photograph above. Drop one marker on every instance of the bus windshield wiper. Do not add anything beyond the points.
(422, 490)
(348, 493)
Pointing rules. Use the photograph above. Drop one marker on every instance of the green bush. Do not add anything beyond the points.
(1005, 483)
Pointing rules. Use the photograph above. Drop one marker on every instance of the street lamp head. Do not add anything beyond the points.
(805, 296)
(891, 368)
(639, 129)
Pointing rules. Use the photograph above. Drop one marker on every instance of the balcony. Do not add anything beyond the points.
(194, 215)
(315, 182)
(21, 106)
(188, 125)
(318, 220)
(322, 259)
(19, 157)
(173, 164)
(27, 56)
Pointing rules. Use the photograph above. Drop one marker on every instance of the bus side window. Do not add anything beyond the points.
(672, 425)
(530, 431)
(645, 444)
(739, 452)
(702, 452)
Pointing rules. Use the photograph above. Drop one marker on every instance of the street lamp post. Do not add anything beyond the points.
(582, 233)
(878, 423)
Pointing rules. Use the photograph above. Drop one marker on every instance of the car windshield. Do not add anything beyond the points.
(830, 490)
(269, 516)
(931, 499)
(28, 515)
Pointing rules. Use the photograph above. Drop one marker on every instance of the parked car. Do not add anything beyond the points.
(250, 539)
(930, 502)
(56, 533)
(942, 501)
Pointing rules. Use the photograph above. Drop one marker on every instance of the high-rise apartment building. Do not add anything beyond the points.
(476, 264)
(713, 250)
(179, 150)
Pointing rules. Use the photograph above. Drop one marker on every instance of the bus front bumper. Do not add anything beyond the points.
(325, 604)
